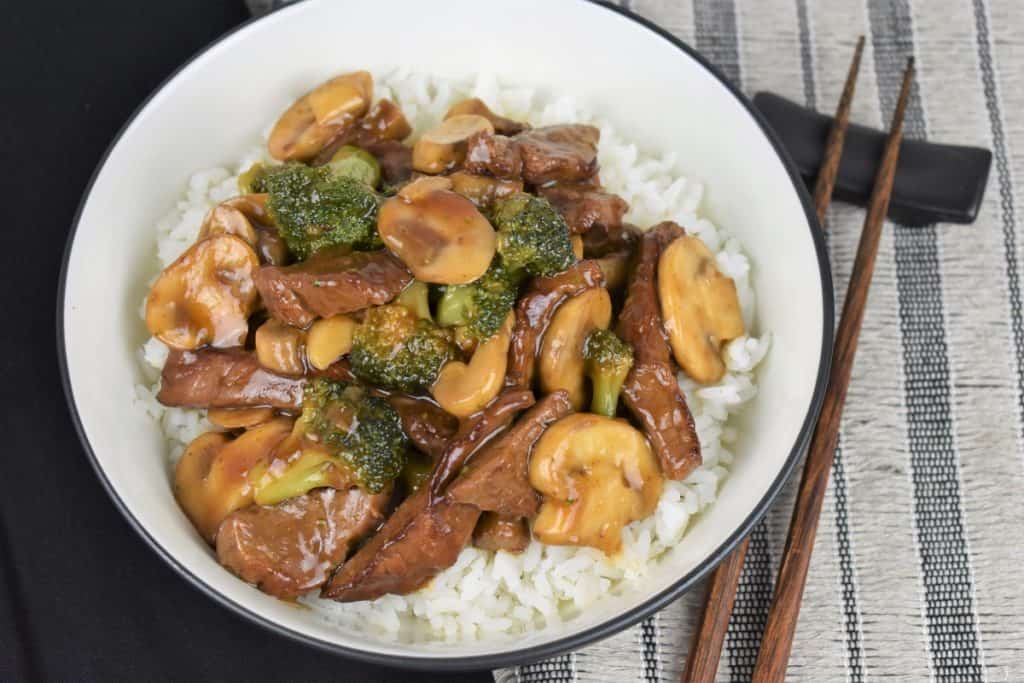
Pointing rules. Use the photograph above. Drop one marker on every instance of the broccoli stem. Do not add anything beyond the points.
(455, 306)
(313, 469)
(415, 298)
(606, 390)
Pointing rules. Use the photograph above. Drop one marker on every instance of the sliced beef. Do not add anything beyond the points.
(419, 540)
(290, 548)
(534, 312)
(601, 240)
(494, 532)
(497, 480)
(563, 153)
(496, 155)
(225, 378)
(651, 391)
(426, 424)
(331, 282)
(477, 429)
(426, 533)
(585, 208)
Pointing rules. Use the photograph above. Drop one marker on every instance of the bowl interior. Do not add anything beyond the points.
(214, 109)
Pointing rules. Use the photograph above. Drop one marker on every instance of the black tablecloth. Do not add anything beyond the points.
(81, 596)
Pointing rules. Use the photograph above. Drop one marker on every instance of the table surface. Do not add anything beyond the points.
(81, 596)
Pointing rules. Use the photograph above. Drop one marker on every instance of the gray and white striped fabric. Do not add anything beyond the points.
(916, 573)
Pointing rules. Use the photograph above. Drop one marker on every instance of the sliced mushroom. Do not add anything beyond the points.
(246, 216)
(561, 356)
(279, 347)
(461, 388)
(328, 340)
(474, 105)
(212, 477)
(483, 190)
(597, 474)
(227, 220)
(239, 418)
(317, 117)
(444, 146)
(206, 296)
(439, 235)
(700, 308)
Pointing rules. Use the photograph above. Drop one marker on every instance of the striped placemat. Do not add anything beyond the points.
(916, 571)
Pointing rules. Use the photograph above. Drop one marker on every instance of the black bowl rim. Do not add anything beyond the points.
(561, 645)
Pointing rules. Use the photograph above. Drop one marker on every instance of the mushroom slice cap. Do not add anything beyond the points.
(239, 418)
(328, 340)
(597, 474)
(316, 118)
(700, 308)
(342, 99)
(464, 388)
(280, 347)
(561, 362)
(444, 146)
(206, 296)
(440, 236)
(212, 478)
(245, 216)
(474, 105)
(227, 220)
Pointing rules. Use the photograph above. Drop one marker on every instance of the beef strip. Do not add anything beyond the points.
(601, 240)
(290, 548)
(494, 532)
(585, 208)
(476, 430)
(497, 480)
(419, 540)
(563, 153)
(225, 378)
(331, 282)
(651, 391)
(426, 424)
(426, 533)
(496, 155)
(534, 312)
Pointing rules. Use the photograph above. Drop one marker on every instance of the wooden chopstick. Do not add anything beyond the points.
(706, 649)
(836, 139)
(789, 588)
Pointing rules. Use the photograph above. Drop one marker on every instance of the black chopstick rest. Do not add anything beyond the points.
(934, 183)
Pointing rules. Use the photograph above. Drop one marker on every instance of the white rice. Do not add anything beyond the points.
(487, 593)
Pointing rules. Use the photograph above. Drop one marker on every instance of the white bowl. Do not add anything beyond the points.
(653, 88)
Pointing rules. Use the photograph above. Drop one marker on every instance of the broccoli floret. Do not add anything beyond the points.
(315, 209)
(363, 431)
(482, 305)
(395, 349)
(608, 361)
(532, 236)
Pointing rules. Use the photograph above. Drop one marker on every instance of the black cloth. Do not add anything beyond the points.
(82, 598)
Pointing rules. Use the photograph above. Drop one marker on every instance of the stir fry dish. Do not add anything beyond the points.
(409, 347)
